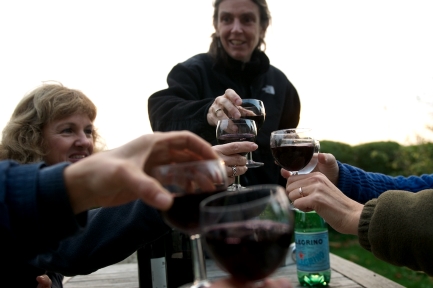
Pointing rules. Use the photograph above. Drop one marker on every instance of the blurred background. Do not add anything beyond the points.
(363, 69)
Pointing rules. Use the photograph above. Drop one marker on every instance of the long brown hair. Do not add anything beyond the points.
(216, 49)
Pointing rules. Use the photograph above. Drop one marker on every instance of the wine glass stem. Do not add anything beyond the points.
(250, 156)
(238, 182)
(198, 259)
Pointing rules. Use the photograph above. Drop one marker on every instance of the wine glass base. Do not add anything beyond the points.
(235, 187)
(253, 164)
(201, 284)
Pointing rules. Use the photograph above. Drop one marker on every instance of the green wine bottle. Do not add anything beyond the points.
(312, 249)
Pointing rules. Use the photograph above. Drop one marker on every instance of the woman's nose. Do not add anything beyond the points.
(237, 26)
(83, 140)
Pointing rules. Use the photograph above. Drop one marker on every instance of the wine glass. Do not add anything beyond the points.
(191, 182)
(255, 110)
(313, 162)
(248, 232)
(293, 148)
(236, 130)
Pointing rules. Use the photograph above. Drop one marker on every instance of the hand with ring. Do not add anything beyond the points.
(316, 192)
(235, 163)
(223, 107)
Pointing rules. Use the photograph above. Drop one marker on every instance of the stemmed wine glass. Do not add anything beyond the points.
(253, 109)
(248, 232)
(236, 130)
(293, 148)
(191, 182)
(313, 162)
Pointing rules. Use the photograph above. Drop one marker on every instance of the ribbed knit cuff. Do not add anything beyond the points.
(344, 178)
(364, 224)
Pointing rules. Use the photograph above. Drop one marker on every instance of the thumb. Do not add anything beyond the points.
(328, 166)
(326, 158)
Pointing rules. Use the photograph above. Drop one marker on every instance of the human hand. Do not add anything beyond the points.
(224, 106)
(267, 283)
(316, 192)
(43, 281)
(327, 164)
(119, 176)
(229, 154)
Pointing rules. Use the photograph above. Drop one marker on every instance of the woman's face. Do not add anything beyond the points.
(239, 28)
(68, 139)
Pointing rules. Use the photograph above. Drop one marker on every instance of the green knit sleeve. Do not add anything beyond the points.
(397, 227)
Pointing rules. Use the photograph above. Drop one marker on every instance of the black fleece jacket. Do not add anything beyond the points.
(193, 86)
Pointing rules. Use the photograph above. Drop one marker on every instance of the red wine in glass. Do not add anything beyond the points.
(293, 157)
(259, 119)
(190, 183)
(229, 138)
(236, 130)
(293, 148)
(184, 213)
(248, 232)
(251, 250)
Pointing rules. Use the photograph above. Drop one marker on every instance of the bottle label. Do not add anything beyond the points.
(159, 277)
(312, 251)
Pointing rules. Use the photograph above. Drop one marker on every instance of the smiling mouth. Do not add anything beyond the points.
(236, 42)
(77, 157)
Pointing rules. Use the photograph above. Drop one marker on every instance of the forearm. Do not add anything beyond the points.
(36, 200)
(363, 186)
(398, 228)
(112, 234)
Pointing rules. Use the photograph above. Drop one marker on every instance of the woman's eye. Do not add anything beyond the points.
(88, 132)
(67, 130)
(225, 19)
(247, 19)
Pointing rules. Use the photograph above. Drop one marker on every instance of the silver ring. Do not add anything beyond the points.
(216, 111)
(235, 172)
(301, 192)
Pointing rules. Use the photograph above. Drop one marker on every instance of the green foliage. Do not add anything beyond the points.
(377, 156)
(415, 159)
(343, 152)
(387, 157)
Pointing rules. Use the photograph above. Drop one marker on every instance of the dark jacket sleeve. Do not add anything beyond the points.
(111, 235)
(363, 186)
(33, 198)
(397, 227)
(182, 106)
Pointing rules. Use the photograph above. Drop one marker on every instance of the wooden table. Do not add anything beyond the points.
(344, 274)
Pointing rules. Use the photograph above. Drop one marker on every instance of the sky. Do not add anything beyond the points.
(363, 69)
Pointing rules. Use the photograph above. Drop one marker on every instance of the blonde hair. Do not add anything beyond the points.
(22, 138)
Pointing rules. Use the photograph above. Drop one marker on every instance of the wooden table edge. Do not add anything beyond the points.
(359, 274)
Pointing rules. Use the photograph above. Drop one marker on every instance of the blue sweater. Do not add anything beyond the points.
(35, 215)
(111, 235)
(363, 186)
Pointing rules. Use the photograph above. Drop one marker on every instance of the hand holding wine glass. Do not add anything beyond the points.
(248, 232)
(190, 183)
